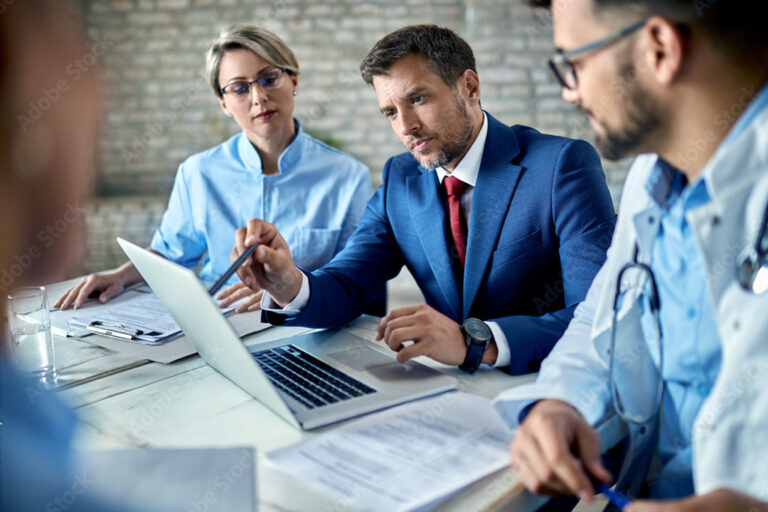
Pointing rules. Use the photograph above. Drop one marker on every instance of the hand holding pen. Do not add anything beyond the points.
(556, 452)
(247, 299)
(270, 267)
(232, 269)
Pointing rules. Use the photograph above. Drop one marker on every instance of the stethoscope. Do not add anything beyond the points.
(752, 274)
(654, 305)
(752, 269)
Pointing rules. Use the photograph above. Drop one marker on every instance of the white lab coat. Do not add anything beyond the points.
(730, 438)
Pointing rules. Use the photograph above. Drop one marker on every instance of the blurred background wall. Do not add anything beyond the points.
(160, 109)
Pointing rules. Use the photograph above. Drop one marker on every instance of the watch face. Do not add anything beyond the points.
(477, 329)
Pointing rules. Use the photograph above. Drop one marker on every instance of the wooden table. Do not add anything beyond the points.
(79, 360)
(129, 403)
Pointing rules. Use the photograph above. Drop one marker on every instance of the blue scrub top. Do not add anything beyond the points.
(316, 201)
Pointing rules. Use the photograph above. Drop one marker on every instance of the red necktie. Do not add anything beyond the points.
(454, 187)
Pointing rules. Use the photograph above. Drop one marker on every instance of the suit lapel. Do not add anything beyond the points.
(495, 186)
(429, 218)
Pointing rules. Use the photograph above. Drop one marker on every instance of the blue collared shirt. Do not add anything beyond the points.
(692, 351)
(690, 341)
(315, 201)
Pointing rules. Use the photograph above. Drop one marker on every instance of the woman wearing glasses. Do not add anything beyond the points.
(272, 170)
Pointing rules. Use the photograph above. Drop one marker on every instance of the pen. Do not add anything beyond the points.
(232, 269)
(615, 497)
(109, 332)
(103, 324)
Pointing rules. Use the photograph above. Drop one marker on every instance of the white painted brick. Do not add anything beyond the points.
(158, 57)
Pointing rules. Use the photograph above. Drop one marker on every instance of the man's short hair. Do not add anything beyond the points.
(736, 26)
(447, 54)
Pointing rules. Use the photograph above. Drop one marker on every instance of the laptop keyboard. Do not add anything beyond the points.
(307, 379)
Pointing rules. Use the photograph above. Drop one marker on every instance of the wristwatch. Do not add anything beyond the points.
(477, 336)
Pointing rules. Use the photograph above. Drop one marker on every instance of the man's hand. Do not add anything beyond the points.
(555, 450)
(270, 267)
(715, 501)
(434, 335)
(106, 285)
(238, 291)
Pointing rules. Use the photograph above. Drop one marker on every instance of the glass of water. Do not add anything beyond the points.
(29, 324)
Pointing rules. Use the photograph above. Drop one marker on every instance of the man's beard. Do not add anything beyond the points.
(642, 119)
(451, 149)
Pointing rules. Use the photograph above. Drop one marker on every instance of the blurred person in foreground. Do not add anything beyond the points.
(47, 168)
(503, 227)
(671, 337)
(272, 169)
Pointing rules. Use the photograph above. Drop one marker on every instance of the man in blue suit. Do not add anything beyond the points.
(503, 239)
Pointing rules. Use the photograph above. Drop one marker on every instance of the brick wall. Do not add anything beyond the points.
(161, 110)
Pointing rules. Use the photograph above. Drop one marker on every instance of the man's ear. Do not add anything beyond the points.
(469, 83)
(664, 49)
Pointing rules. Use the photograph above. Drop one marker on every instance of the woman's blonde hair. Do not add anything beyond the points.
(262, 42)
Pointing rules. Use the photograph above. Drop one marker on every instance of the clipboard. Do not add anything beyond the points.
(140, 319)
(117, 330)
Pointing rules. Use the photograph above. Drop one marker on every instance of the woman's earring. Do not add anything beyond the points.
(295, 92)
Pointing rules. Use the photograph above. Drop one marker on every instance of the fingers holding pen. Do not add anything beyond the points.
(271, 266)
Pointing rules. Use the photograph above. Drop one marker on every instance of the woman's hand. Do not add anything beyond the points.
(106, 285)
(239, 291)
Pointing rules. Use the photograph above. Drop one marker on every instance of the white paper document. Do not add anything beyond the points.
(60, 318)
(410, 457)
(135, 316)
(143, 318)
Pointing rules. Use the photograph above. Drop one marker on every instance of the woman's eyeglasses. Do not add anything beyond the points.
(269, 79)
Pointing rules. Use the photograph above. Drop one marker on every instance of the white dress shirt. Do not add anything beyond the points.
(466, 170)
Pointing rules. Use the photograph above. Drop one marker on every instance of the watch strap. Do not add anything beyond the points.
(473, 358)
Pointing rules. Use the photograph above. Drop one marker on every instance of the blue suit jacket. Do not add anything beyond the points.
(540, 223)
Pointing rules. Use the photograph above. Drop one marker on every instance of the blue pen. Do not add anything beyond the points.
(614, 497)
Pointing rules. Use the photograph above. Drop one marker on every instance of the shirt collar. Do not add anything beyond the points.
(469, 166)
(667, 186)
(288, 157)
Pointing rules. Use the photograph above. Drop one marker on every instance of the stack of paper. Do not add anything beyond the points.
(134, 316)
(143, 319)
(410, 457)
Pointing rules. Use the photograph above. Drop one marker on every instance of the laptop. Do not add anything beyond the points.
(310, 381)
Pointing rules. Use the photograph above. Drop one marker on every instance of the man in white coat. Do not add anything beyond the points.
(673, 334)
